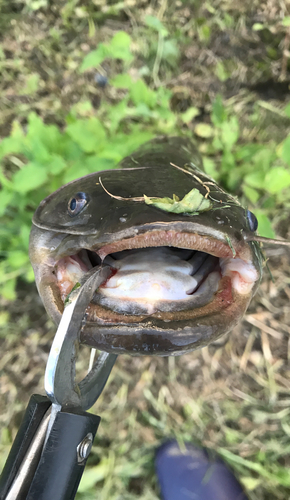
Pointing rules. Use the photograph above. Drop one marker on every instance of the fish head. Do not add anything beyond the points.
(182, 273)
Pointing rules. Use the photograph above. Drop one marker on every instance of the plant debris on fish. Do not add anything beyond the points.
(192, 203)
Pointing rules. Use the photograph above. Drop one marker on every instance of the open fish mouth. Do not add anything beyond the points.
(153, 275)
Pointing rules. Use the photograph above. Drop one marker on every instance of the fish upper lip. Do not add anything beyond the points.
(157, 234)
(180, 239)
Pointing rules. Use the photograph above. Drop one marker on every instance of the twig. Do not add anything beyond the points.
(137, 198)
(195, 177)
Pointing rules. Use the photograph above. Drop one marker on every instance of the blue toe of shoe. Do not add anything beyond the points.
(190, 474)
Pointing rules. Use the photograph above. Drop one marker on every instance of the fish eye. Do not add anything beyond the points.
(77, 203)
(252, 221)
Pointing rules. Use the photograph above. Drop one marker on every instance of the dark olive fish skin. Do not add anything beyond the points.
(82, 215)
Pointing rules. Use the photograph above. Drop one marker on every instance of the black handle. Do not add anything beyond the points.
(35, 412)
(57, 468)
(64, 458)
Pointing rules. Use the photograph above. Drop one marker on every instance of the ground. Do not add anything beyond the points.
(232, 398)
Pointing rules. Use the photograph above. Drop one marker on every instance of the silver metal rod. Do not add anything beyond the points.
(24, 476)
(60, 384)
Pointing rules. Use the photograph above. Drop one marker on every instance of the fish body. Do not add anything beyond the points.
(179, 279)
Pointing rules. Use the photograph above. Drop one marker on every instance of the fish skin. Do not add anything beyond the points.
(107, 221)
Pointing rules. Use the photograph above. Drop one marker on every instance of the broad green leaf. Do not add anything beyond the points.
(251, 193)
(255, 179)
(36, 150)
(277, 179)
(124, 144)
(247, 152)
(251, 483)
(4, 319)
(56, 165)
(204, 32)
(286, 21)
(192, 203)
(29, 274)
(89, 134)
(258, 27)
(230, 132)
(117, 113)
(264, 225)
(95, 163)
(122, 81)
(204, 130)
(217, 144)
(14, 143)
(24, 234)
(17, 258)
(119, 46)
(36, 4)
(82, 108)
(228, 162)
(94, 475)
(141, 94)
(30, 177)
(287, 110)
(154, 23)
(95, 58)
(11, 145)
(210, 168)
(40, 135)
(8, 289)
(164, 96)
(5, 196)
(189, 114)
(219, 114)
(143, 110)
(78, 169)
(263, 159)
(221, 72)
(35, 125)
(285, 154)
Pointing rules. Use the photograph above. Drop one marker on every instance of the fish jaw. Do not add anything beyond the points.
(161, 326)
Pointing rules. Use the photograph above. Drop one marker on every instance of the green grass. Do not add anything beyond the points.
(185, 69)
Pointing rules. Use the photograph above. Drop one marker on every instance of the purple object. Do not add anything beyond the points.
(192, 475)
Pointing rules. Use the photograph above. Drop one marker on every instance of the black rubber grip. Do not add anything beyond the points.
(60, 468)
(35, 411)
